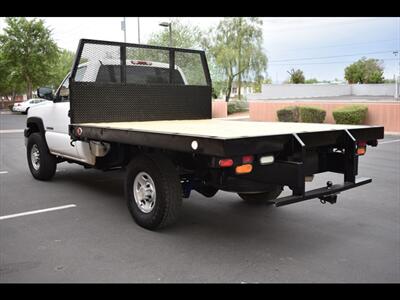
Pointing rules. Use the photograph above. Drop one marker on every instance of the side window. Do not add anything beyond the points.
(79, 73)
(64, 90)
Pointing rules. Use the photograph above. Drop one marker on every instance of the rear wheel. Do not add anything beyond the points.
(41, 163)
(264, 197)
(153, 191)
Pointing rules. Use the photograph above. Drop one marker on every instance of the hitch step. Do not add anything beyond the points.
(325, 194)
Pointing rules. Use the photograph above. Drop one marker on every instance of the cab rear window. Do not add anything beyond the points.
(137, 75)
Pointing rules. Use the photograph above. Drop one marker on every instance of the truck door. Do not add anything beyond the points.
(57, 121)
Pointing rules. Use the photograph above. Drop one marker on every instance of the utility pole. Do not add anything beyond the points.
(123, 27)
(397, 76)
(138, 30)
(168, 24)
(397, 53)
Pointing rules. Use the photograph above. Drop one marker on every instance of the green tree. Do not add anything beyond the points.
(365, 71)
(61, 68)
(236, 48)
(259, 81)
(183, 36)
(296, 76)
(10, 82)
(311, 81)
(30, 49)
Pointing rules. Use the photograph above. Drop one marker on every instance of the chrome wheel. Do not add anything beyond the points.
(35, 157)
(144, 192)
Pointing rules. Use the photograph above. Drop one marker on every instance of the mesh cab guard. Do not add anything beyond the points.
(121, 82)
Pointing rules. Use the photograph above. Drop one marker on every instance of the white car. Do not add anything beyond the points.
(24, 106)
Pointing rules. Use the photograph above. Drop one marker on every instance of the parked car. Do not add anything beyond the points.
(24, 106)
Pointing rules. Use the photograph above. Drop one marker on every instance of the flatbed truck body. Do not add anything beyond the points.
(160, 129)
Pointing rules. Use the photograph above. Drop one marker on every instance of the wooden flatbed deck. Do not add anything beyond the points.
(220, 137)
(221, 129)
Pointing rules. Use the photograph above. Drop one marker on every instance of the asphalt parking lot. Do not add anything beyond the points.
(218, 239)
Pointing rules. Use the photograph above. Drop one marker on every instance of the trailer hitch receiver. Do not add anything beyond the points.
(328, 198)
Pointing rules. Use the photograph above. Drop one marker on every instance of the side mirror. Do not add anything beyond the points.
(45, 93)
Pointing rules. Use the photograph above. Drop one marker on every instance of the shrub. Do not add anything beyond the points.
(352, 114)
(237, 106)
(288, 114)
(309, 114)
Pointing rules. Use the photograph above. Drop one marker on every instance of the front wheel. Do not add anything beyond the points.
(264, 197)
(153, 191)
(41, 163)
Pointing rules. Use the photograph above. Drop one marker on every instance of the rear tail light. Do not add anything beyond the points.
(247, 159)
(226, 162)
(361, 147)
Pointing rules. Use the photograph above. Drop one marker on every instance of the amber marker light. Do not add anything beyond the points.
(243, 169)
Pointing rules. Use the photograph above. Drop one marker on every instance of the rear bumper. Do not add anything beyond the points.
(327, 193)
(301, 159)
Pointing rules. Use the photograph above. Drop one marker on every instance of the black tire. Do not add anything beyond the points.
(26, 111)
(168, 191)
(262, 198)
(47, 163)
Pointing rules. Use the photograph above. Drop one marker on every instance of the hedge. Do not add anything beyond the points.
(309, 114)
(288, 114)
(237, 106)
(352, 114)
(305, 114)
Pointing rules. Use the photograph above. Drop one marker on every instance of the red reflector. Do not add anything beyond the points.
(78, 131)
(361, 147)
(227, 162)
(361, 151)
(247, 159)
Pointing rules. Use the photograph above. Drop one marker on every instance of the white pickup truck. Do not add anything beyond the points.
(54, 115)
(117, 109)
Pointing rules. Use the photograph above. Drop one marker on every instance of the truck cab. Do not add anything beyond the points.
(54, 115)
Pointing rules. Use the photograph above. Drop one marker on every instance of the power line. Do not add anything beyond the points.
(336, 46)
(313, 26)
(335, 56)
(326, 63)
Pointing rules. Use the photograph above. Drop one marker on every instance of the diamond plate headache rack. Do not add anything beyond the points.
(122, 82)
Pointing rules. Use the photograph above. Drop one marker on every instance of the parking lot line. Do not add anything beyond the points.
(388, 142)
(36, 211)
(11, 131)
(3, 172)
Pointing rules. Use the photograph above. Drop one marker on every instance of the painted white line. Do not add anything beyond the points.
(388, 142)
(36, 211)
(11, 131)
(3, 172)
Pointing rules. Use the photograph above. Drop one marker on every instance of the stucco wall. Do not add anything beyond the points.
(379, 113)
(219, 109)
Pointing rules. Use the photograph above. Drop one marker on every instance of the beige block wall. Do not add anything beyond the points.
(219, 109)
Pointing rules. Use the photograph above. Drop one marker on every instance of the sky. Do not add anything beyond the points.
(320, 46)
